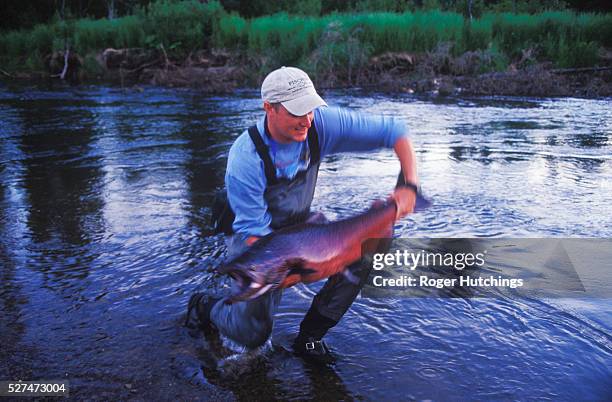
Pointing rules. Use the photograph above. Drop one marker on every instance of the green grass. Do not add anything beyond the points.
(336, 42)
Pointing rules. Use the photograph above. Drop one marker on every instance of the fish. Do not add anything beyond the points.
(308, 252)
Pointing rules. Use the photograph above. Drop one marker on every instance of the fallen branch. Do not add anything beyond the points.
(142, 67)
(62, 75)
(165, 56)
(65, 70)
(580, 70)
(5, 73)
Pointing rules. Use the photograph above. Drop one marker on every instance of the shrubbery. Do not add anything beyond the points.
(335, 42)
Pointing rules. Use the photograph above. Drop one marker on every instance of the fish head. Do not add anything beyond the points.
(249, 282)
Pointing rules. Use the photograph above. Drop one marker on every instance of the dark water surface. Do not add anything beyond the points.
(104, 198)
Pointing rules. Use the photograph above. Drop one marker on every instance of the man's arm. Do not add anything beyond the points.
(245, 183)
(407, 157)
(406, 197)
(342, 130)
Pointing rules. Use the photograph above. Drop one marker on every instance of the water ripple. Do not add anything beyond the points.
(104, 234)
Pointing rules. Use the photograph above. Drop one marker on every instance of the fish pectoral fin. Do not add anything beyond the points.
(277, 275)
(288, 267)
(297, 267)
(301, 271)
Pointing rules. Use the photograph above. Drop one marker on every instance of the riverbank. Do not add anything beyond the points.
(437, 73)
(194, 44)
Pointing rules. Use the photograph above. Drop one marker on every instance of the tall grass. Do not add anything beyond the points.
(185, 26)
(92, 35)
(337, 41)
(566, 38)
(178, 26)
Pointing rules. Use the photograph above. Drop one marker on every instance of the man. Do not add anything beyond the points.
(271, 176)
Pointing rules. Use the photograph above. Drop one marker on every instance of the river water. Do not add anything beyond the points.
(104, 235)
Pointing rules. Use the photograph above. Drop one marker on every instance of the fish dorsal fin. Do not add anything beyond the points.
(317, 218)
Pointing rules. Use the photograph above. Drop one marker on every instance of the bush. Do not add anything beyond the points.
(286, 39)
(476, 35)
(339, 54)
(567, 39)
(185, 25)
(40, 39)
(91, 35)
(579, 54)
(338, 41)
(14, 43)
(91, 66)
(129, 32)
(231, 32)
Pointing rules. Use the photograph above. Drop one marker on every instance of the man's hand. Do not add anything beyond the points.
(405, 198)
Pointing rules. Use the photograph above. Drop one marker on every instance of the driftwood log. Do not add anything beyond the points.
(580, 70)
(65, 70)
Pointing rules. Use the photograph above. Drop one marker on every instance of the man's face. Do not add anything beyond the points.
(286, 127)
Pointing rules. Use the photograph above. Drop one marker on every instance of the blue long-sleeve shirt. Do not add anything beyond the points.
(340, 130)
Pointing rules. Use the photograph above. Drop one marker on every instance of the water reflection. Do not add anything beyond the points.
(589, 140)
(204, 167)
(62, 191)
(64, 197)
(514, 125)
(462, 153)
(502, 102)
(279, 376)
(15, 359)
(587, 165)
(551, 140)
(104, 202)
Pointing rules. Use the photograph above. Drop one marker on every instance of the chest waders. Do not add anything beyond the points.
(250, 323)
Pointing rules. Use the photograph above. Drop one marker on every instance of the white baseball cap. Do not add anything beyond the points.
(292, 88)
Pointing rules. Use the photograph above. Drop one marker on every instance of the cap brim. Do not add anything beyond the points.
(303, 105)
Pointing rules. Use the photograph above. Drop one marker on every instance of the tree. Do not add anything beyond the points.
(110, 4)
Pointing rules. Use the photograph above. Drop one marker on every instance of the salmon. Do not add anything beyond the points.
(307, 252)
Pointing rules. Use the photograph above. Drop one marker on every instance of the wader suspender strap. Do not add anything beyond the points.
(262, 150)
(313, 145)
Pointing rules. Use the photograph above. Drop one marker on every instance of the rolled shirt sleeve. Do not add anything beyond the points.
(342, 130)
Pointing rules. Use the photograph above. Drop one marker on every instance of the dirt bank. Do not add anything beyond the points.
(435, 73)
(438, 73)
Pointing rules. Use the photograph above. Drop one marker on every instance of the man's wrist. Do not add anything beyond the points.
(411, 186)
